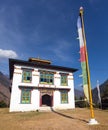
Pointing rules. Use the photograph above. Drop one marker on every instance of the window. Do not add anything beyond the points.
(46, 77)
(64, 80)
(64, 96)
(27, 76)
(25, 96)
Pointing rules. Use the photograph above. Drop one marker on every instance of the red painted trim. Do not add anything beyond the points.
(40, 99)
(52, 99)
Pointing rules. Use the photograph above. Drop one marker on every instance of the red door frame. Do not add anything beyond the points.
(52, 93)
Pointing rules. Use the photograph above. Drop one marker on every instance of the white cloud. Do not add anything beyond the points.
(8, 54)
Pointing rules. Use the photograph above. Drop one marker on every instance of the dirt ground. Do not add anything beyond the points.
(76, 119)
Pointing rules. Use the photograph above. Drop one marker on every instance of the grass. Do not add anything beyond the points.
(56, 120)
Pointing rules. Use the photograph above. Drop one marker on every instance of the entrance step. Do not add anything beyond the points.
(45, 109)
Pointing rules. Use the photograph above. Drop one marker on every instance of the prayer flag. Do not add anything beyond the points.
(83, 58)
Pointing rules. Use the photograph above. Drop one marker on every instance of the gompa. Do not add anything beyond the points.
(39, 85)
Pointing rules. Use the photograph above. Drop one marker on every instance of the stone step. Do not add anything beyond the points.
(45, 108)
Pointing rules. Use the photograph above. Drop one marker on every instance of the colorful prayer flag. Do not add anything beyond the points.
(83, 58)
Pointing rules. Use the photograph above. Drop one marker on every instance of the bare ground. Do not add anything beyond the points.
(76, 119)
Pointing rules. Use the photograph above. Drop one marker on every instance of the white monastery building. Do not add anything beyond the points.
(39, 85)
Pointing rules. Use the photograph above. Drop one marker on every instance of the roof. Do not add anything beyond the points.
(13, 62)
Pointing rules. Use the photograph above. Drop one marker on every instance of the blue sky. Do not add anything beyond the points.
(47, 29)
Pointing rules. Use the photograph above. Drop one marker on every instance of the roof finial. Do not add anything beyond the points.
(81, 10)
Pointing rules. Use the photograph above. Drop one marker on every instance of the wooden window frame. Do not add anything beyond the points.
(28, 76)
(64, 97)
(25, 90)
(46, 77)
(64, 80)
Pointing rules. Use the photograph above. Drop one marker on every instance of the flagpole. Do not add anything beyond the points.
(92, 120)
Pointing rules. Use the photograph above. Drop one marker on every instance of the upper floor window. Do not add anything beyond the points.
(64, 80)
(27, 76)
(46, 77)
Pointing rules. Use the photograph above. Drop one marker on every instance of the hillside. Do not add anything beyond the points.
(5, 85)
(78, 94)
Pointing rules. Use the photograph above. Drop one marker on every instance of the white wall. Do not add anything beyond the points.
(57, 79)
(56, 99)
(71, 93)
(57, 95)
(15, 102)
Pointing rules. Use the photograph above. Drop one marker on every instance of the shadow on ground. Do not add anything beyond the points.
(70, 117)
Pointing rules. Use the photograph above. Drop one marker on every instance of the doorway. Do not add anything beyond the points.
(46, 100)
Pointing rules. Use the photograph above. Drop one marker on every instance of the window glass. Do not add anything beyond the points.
(46, 77)
(25, 96)
(64, 80)
(64, 97)
(27, 76)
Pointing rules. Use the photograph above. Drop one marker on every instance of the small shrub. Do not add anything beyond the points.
(81, 104)
(3, 104)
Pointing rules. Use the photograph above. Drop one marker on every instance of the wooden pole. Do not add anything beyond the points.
(88, 72)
